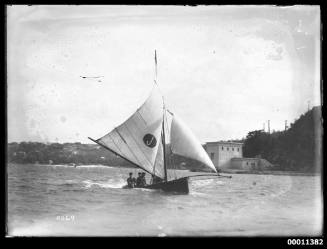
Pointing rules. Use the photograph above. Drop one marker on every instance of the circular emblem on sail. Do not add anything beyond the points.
(150, 140)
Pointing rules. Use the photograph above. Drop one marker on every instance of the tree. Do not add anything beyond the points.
(294, 149)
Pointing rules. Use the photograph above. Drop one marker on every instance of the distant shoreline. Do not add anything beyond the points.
(230, 171)
(290, 173)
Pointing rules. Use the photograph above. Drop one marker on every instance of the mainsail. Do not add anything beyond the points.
(138, 138)
(184, 143)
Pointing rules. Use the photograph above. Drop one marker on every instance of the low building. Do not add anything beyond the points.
(222, 152)
(245, 163)
(250, 164)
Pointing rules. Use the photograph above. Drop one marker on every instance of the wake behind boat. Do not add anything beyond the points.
(141, 140)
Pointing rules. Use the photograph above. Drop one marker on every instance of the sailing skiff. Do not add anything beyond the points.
(141, 140)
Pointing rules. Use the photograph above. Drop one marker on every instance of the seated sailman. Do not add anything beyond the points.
(139, 180)
(131, 181)
(143, 182)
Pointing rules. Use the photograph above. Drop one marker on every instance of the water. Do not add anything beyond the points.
(50, 200)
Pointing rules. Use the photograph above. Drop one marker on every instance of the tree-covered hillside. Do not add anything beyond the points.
(298, 148)
(56, 153)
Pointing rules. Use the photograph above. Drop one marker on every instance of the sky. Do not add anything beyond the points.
(225, 70)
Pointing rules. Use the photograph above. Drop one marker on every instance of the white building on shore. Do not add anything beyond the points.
(222, 152)
(229, 155)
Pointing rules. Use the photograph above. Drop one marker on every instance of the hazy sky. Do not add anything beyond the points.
(225, 70)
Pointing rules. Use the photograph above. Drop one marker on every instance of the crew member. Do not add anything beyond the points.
(143, 182)
(139, 180)
(131, 181)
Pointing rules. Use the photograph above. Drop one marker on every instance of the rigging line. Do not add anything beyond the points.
(155, 165)
(131, 151)
(162, 154)
(164, 141)
(173, 159)
(115, 144)
(162, 166)
(122, 138)
(155, 168)
(169, 135)
(167, 124)
(156, 70)
(155, 61)
(137, 111)
(217, 175)
(159, 89)
(174, 167)
(170, 112)
(164, 148)
(163, 162)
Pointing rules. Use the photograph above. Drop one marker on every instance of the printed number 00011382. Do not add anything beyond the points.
(311, 242)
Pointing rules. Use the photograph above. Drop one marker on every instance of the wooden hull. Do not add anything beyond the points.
(179, 186)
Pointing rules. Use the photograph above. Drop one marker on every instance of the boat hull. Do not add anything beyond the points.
(179, 186)
(175, 186)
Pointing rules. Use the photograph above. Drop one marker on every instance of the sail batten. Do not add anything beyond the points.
(120, 136)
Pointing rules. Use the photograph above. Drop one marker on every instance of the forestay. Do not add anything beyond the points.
(138, 138)
(159, 163)
(184, 143)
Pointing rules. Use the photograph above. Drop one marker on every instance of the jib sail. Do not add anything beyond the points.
(184, 143)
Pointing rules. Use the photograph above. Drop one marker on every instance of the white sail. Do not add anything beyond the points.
(138, 138)
(159, 169)
(184, 143)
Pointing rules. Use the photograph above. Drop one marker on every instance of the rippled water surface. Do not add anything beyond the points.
(58, 200)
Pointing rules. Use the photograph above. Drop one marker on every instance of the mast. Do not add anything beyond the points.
(163, 137)
(164, 146)
(155, 62)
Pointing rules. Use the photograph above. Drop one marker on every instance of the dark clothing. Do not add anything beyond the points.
(143, 181)
(139, 181)
(131, 182)
(156, 179)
